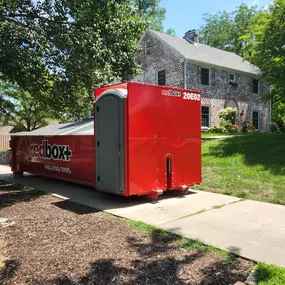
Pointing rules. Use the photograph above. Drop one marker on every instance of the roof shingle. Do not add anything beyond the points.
(204, 54)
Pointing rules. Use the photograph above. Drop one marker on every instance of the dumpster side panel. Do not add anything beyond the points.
(164, 122)
(69, 157)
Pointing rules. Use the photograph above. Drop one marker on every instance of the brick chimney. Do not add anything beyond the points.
(191, 36)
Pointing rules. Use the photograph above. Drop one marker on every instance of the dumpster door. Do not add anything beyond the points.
(109, 140)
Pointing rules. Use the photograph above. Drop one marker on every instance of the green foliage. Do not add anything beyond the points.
(22, 110)
(225, 129)
(152, 11)
(269, 274)
(264, 47)
(274, 128)
(217, 129)
(247, 127)
(278, 107)
(224, 30)
(67, 48)
(228, 115)
(171, 32)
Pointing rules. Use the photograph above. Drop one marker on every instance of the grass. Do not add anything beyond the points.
(250, 167)
(269, 274)
(205, 134)
(182, 241)
(148, 228)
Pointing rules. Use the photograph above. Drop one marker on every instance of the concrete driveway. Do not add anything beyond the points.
(251, 229)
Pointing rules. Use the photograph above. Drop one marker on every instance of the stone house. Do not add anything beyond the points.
(224, 78)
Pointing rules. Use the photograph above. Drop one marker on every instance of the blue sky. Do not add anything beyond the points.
(183, 15)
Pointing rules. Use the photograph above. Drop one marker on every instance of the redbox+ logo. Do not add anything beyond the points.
(46, 151)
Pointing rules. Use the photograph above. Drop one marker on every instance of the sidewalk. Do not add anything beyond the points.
(251, 229)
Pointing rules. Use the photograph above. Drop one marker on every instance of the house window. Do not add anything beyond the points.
(205, 76)
(161, 79)
(205, 116)
(255, 119)
(232, 77)
(255, 86)
(148, 47)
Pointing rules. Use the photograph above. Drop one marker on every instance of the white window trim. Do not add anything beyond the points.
(145, 47)
(210, 113)
(157, 76)
(258, 112)
(210, 76)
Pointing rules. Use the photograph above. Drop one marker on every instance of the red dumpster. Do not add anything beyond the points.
(146, 140)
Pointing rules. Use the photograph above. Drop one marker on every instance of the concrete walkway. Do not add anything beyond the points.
(251, 229)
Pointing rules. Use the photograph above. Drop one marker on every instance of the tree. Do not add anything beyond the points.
(151, 10)
(264, 48)
(171, 32)
(20, 109)
(265, 44)
(224, 30)
(278, 107)
(66, 48)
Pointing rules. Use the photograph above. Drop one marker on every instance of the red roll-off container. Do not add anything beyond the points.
(147, 139)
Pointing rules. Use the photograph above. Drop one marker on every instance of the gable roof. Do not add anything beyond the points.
(203, 54)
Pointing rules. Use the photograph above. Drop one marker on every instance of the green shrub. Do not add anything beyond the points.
(234, 128)
(217, 129)
(274, 128)
(247, 127)
(228, 115)
(228, 118)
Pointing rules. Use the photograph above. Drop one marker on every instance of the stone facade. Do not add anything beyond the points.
(220, 92)
(5, 157)
(161, 57)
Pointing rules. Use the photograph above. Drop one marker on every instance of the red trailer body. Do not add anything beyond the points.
(147, 139)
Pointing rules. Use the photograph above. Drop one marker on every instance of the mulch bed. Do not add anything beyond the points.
(50, 241)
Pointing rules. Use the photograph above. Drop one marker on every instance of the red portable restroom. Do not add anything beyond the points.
(147, 139)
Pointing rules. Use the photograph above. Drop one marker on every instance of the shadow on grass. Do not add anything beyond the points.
(264, 149)
(11, 194)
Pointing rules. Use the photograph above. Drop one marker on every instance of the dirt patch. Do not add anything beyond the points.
(51, 241)
(1, 251)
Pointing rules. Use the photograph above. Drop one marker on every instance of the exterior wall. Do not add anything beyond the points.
(5, 157)
(216, 95)
(161, 57)
(220, 92)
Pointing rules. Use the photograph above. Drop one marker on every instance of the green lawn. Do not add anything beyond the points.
(251, 166)
(205, 134)
(269, 274)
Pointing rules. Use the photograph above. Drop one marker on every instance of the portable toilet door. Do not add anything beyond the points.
(109, 140)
